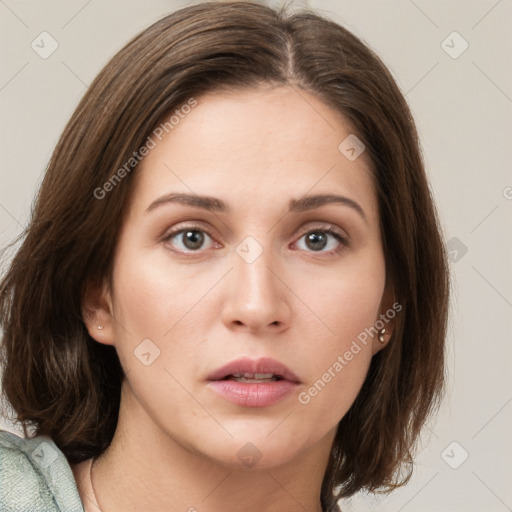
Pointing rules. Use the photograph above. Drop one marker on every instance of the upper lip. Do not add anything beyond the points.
(248, 365)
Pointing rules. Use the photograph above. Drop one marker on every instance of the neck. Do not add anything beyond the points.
(155, 472)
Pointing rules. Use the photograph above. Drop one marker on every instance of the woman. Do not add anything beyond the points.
(233, 291)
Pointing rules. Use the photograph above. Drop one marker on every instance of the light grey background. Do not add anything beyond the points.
(463, 108)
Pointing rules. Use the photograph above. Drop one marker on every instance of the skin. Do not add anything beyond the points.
(176, 443)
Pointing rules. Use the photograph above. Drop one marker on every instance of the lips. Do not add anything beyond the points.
(266, 369)
(250, 382)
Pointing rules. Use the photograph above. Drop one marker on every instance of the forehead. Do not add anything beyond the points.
(255, 147)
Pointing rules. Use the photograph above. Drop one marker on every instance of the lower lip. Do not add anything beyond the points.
(258, 394)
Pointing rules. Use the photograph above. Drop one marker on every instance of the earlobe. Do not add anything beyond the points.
(97, 314)
(386, 321)
(381, 340)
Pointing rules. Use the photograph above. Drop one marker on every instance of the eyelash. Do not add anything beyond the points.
(344, 241)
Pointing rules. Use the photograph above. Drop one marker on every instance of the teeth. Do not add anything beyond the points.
(253, 377)
(263, 375)
(254, 381)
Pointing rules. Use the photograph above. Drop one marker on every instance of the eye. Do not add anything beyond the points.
(318, 239)
(192, 238)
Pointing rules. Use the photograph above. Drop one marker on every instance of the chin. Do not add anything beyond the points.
(257, 451)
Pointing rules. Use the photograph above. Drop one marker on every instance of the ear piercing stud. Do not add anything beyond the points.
(381, 335)
(100, 326)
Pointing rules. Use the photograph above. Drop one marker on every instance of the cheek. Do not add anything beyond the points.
(150, 301)
(345, 302)
(338, 363)
(152, 307)
(163, 307)
(345, 311)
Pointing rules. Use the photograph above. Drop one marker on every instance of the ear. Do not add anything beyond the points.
(388, 310)
(97, 312)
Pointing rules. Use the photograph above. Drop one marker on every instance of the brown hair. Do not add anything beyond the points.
(68, 385)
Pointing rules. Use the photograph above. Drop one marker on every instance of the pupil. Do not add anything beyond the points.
(313, 238)
(193, 239)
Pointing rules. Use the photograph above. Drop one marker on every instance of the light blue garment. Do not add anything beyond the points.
(35, 476)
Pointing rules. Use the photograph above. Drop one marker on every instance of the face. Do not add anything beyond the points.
(195, 288)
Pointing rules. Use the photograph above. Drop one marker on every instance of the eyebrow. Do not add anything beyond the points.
(218, 205)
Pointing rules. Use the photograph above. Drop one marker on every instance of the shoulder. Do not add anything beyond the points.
(35, 475)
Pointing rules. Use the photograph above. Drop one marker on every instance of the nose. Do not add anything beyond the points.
(257, 296)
